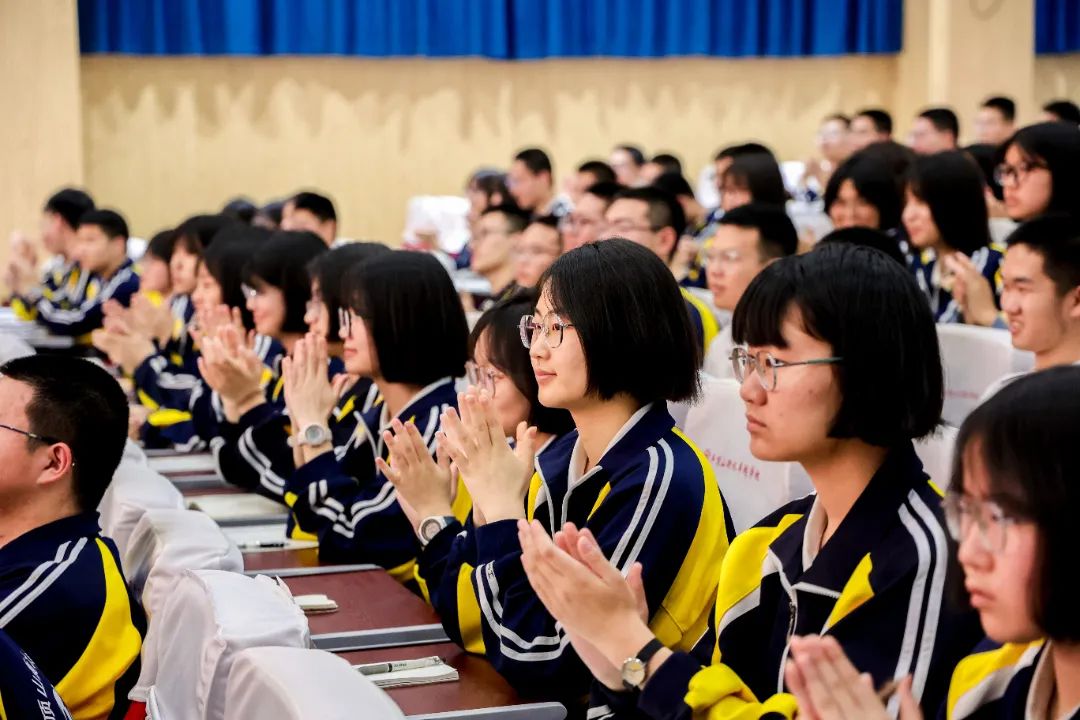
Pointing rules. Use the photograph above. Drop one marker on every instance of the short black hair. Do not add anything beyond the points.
(605, 190)
(78, 403)
(111, 223)
(1057, 146)
(1025, 436)
(943, 119)
(598, 169)
(510, 356)
(750, 148)
(491, 182)
(1056, 237)
(318, 205)
(69, 204)
(760, 175)
(535, 159)
(875, 317)
(413, 315)
(951, 185)
(867, 237)
(161, 245)
(635, 153)
(669, 162)
(664, 208)
(226, 258)
(282, 262)
(1065, 110)
(1005, 106)
(675, 184)
(196, 233)
(777, 236)
(329, 269)
(271, 211)
(874, 181)
(625, 303)
(240, 209)
(516, 218)
(881, 119)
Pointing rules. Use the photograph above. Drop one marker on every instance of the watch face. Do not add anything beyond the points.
(430, 529)
(315, 435)
(633, 672)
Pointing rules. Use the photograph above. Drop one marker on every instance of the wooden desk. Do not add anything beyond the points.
(366, 601)
(479, 686)
(263, 562)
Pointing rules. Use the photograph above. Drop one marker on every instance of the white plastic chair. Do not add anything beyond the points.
(134, 489)
(973, 359)
(936, 453)
(752, 488)
(718, 355)
(287, 683)
(210, 617)
(166, 543)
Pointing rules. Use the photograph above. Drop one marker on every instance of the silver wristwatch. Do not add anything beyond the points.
(432, 526)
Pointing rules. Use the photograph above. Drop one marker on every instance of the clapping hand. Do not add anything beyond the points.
(496, 476)
(425, 485)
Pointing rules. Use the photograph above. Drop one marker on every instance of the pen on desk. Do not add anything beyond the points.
(397, 665)
(261, 545)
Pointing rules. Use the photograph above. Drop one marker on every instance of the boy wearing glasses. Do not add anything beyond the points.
(63, 596)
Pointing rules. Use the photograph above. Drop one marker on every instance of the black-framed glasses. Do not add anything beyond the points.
(481, 377)
(988, 516)
(32, 435)
(551, 327)
(1015, 174)
(248, 291)
(765, 366)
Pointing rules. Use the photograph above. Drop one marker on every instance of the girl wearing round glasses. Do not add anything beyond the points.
(404, 328)
(1010, 509)
(840, 372)
(1039, 171)
(611, 342)
(262, 454)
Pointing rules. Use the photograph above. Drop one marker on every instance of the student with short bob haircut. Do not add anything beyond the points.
(1039, 171)
(840, 372)
(945, 215)
(752, 177)
(863, 192)
(278, 285)
(614, 371)
(1011, 515)
(404, 328)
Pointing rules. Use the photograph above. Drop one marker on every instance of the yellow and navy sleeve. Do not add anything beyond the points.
(89, 315)
(702, 319)
(24, 692)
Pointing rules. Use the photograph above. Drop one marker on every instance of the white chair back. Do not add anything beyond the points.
(287, 683)
(165, 543)
(973, 359)
(936, 453)
(752, 488)
(134, 489)
(209, 617)
(718, 355)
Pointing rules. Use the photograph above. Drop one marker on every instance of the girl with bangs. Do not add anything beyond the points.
(609, 342)
(402, 326)
(839, 371)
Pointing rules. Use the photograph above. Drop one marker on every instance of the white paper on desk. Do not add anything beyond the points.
(249, 537)
(420, 676)
(233, 506)
(195, 462)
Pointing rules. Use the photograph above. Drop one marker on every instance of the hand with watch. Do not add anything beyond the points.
(604, 614)
(310, 396)
(425, 485)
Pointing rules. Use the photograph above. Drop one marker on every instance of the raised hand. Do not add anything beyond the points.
(423, 483)
(971, 291)
(496, 475)
(309, 394)
(232, 370)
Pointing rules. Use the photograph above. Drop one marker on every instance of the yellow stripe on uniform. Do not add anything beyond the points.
(856, 592)
(974, 671)
(709, 326)
(468, 612)
(88, 688)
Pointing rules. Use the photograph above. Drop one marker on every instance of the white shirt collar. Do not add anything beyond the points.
(815, 530)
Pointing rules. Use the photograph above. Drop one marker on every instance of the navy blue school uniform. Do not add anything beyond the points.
(1011, 681)
(878, 586)
(24, 692)
(64, 600)
(651, 498)
(350, 506)
(946, 310)
(77, 320)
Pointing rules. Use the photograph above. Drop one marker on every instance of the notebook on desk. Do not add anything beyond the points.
(265, 538)
(193, 463)
(236, 506)
(406, 673)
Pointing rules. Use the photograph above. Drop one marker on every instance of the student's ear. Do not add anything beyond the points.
(1073, 298)
(57, 464)
(668, 241)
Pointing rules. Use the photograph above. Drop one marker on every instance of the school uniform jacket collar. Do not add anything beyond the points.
(42, 541)
(427, 402)
(864, 530)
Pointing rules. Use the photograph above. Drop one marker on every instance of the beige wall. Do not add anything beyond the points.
(41, 139)
(170, 136)
(1057, 77)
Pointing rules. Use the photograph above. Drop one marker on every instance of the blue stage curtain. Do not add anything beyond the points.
(1057, 26)
(501, 29)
